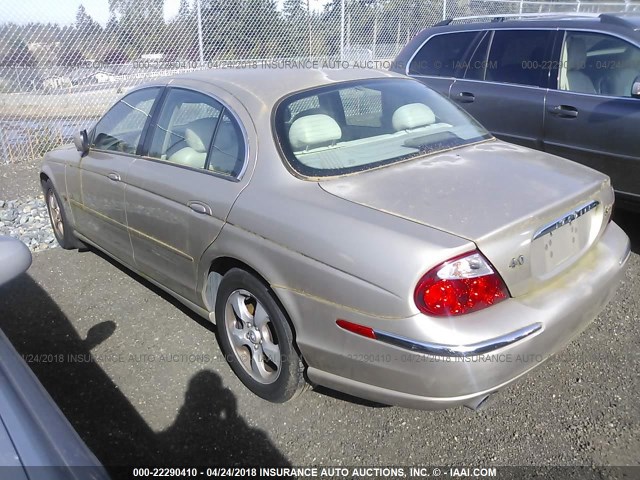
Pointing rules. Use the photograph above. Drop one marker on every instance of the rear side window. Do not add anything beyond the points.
(520, 57)
(442, 54)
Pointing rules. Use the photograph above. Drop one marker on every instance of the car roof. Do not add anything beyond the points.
(627, 23)
(268, 85)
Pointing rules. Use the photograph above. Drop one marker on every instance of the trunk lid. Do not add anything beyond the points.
(531, 214)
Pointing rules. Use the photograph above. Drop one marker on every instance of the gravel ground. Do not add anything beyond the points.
(143, 381)
(23, 212)
(19, 180)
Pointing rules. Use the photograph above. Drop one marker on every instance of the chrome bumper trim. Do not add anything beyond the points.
(627, 253)
(441, 350)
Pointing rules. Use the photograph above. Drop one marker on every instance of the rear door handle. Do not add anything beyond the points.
(201, 208)
(114, 177)
(466, 97)
(564, 111)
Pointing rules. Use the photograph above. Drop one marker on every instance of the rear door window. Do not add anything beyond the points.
(442, 55)
(185, 128)
(520, 57)
(476, 66)
(598, 64)
(196, 131)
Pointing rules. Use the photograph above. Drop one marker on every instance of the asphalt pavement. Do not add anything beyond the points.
(143, 382)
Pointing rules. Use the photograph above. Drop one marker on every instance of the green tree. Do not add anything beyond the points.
(183, 33)
(85, 25)
(260, 29)
(297, 32)
(112, 28)
(18, 55)
(141, 25)
(220, 27)
(71, 58)
(184, 10)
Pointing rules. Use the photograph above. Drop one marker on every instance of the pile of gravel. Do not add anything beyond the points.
(27, 219)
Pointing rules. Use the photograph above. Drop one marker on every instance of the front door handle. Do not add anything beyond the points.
(114, 177)
(199, 207)
(466, 97)
(564, 111)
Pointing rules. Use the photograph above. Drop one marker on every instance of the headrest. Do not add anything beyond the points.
(412, 115)
(313, 131)
(198, 133)
(577, 54)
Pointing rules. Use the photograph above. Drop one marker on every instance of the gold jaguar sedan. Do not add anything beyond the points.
(346, 228)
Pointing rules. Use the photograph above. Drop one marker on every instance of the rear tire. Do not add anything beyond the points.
(256, 338)
(62, 230)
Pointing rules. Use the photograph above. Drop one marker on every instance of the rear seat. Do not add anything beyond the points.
(315, 138)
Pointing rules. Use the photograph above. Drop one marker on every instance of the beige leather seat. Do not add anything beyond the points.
(197, 136)
(412, 116)
(618, 81)
(313, 131)
(577, 80)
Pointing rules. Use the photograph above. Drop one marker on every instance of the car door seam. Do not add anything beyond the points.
(135, 231)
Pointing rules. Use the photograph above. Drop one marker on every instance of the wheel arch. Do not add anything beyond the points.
(219, 267)
(44, 177)
(58, 181)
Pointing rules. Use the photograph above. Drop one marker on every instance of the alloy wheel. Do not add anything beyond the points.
(252, 336)
(56, 214)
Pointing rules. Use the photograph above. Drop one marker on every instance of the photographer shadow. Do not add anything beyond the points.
(208, 431)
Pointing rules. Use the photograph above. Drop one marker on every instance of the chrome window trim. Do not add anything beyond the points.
(221, 175)
(519, 85)
(474, 349)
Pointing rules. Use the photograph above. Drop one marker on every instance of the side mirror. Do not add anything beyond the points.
(81, 141)
(635, 88)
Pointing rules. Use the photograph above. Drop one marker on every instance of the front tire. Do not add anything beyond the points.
(61, 228)
(256, 338)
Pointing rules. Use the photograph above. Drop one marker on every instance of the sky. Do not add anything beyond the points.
(63, 12)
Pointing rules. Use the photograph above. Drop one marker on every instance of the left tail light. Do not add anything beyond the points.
(463, 284)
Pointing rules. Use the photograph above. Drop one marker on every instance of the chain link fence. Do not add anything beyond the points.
(56, 79)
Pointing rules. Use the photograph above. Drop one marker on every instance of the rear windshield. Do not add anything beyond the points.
(355, 126)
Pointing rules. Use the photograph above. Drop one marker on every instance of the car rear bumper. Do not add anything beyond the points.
(438, 369)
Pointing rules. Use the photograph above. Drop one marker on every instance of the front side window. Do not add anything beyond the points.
(442, 54)
(397, 120)
(598, 64)
(520, 57)
(120, 129)
(195, 130)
